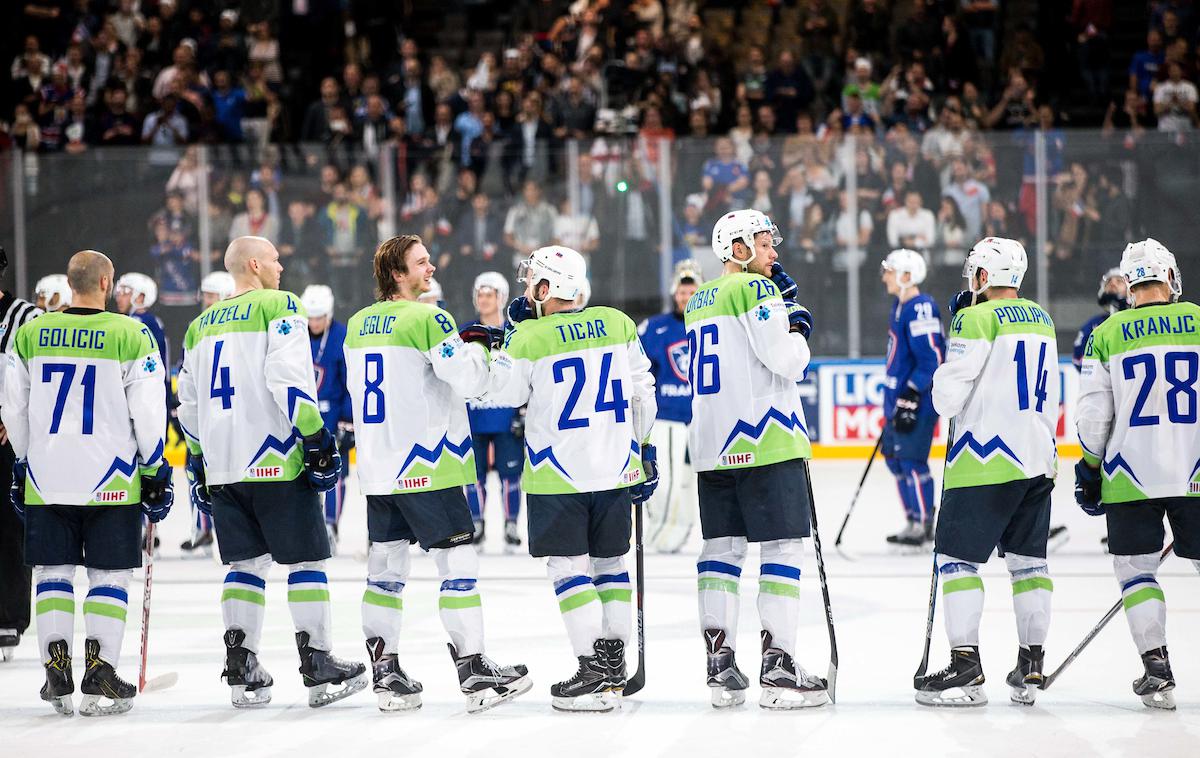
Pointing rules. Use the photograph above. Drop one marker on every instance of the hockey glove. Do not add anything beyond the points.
(642, 491)
(785, 283)
(158, 493)
(519, 310)
(197, 485)
(961, 300)
(905, 418)
(488, 336)
(518, 424)
(1087, 489)
(16, 492)
(799, 318)
(322, 462)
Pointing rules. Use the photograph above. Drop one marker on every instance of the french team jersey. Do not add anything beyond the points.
(664, 339)
(485, 416)
(329, 365)
(914, 351)
(1081, 339)
(159, 332)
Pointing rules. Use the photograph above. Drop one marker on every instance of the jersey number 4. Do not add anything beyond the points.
(1039, 379)
(64, 388)
(220, 385)
(618, 404)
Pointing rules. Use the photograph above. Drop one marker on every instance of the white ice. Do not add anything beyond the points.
(879, 607)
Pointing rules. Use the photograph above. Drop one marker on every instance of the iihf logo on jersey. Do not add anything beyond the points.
(762, 313)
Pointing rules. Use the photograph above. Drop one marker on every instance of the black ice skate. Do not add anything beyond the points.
(912, 537)
(727, 682)
(250, 681)
(1057, 537)
(9, 639)
(477, 536)
(786, 685)
(589, 689)
(59, 682)
(1155, 686)
(396, 690)
(1026, 679)
(100, 682)
(614, 658)
(512, 537)
(487, 684)
(320, 668)
(199, 545)
(958, 685)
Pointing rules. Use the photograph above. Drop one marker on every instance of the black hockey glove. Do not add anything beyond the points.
(16, 491)
(785, 283)
(907, 405)
(197, 485)
(518, 424)
(962, 300)
(488, 336)
(642, 491)
(519, 310)
(1087, 489)
(799, 318)
(322, 462)
(158, 493)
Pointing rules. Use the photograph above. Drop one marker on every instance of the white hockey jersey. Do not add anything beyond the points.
(745, 364)
(1137, 416)
(590, 394)
(85, 405)
(408, 373)
(1001, 386)
(247, 388)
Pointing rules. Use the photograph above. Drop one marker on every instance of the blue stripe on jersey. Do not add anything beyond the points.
(241, 577)
(779, 569)
(307, 577)
(718, 567)
(610, 578)
(55, 587)
(567, 584)
(113, 592)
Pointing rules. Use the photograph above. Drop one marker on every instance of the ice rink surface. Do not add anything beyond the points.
(879, 606)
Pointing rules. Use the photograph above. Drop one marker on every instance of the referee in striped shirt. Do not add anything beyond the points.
(14, 574)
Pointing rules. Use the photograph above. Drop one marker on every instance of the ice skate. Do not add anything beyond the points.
(100, 683)
(512, 537)
(1057, 537)
(1026, 679)
(199, 545)
(911, 539)
(395, 690)
(9, 639)
(588, 690)
(614, 658)
(959, 685)
(727, 682)
(487, 684)
(786, 685)
(1156, 685)
(250, 681)
(320, 668)
(477, 536)
(59, 682)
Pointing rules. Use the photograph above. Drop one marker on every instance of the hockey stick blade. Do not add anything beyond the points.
(161, 682)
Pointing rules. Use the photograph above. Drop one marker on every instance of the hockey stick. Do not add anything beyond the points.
(1096, 630)
(638, 680)
(831, 678)
(923, 666)
(165, 680)
(837, 543)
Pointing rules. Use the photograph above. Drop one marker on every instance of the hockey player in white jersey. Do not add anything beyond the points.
(408, 371)
(260, 456)
(1137, 422)
(1000, 385)
(748, 344)
(591, 405)
(85, 413)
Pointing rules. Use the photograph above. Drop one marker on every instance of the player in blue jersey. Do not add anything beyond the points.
(492, 429)
(326, 337)
(915, 348)
(671, 510)
(1112, 298)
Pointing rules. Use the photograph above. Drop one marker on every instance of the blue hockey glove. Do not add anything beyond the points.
(907, 404)
(642, 491)
(1087, 489)
(799, 318)
(519, 310)
(322, 462)
(488, 336)
(961, 300)
(16, 491)
(158, 493)
(197, 485)
(785, 283)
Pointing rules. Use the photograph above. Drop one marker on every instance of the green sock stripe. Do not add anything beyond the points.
(383, 601)
(1034, 583)
(778, 588)
(578, 599)
(961, 584)
(56, 604)
(1142, 595)
(246, 596)
(104, 609)
(458, 602)
(615, 595)
(308, 596)
(717, 585)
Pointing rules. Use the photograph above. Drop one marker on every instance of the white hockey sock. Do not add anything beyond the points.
(1145, 604)
(244, 598)
(382, 603)
(612, 585)
(962, 598)
(308, 600)
(719, 571)
(578, 601)
(1032, 590)
(779, 591)
(459, 603)
(54, 606)
(104, 610)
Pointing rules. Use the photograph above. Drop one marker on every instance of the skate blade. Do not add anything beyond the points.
(971, 696)
(63, 706)
(1024, 695)
(599, 702)
(7, 654)
(93, 705)
(900, 549)
(394, 702)
(726, 698)
(244, 698)
(1057, 543)
(480, 701)
(1163, 701)
(197, 554)
(785, 699)
(320, 696)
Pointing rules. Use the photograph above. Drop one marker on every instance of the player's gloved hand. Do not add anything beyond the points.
(345, 436)
(518, 424)
(642, 491)
(488, 336)
(322, 462)
(962, 300)
(907, 404)
(519, 310)
(785, 283)
(799, 318)
(197, 485)
(16, 491)
(158, 493)
(1087, 489)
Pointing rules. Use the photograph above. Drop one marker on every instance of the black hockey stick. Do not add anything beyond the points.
(1096, 630)
(837, 543)
(831, 678)
(923, 666)
(638, 680)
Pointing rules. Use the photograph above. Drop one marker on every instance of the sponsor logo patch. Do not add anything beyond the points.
(737, 459)
(265, 472)
(412, 482)
(112, 496)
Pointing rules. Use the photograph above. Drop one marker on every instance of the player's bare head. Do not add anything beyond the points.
(90, 275)
(254, 263)
(403, 268)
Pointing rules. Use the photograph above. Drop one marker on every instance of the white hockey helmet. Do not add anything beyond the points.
(51, 286)
(905, 261)
(562, 268)
(434, 295)
(318, 300)
(585, 294)
(219, 283)
(1150, 261)
(139, 284)
(741, 226)
(1111, 300)
(686, 271)
(493, 280)
(1003, 259)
